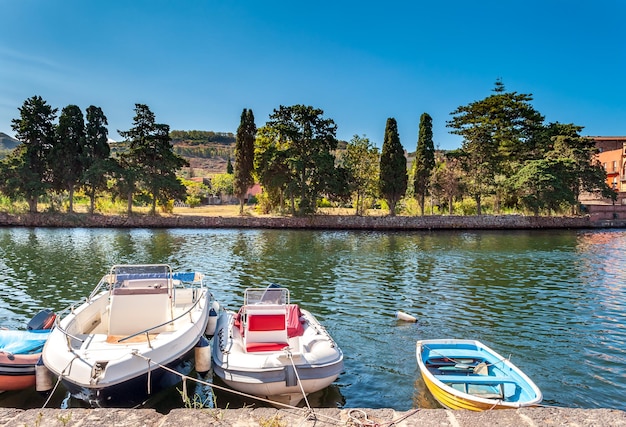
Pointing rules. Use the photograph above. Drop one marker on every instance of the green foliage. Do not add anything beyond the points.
(67, 157)
(25, 171)
(424, 160)
(393, 173)
(222, 184)
(98, 165)
(201, 137)
(498, 132)
(361, 160)
(244, 156)
(151, 162)
(295, 154)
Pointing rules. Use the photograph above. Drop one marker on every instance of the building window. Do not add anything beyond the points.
(614, 165)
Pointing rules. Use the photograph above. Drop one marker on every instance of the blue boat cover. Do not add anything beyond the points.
(23, 342)
(182, 276)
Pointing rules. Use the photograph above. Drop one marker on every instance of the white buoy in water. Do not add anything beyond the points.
(406, 317)
(202, 354)
(44, 380)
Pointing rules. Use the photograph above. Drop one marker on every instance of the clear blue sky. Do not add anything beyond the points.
(198, 63)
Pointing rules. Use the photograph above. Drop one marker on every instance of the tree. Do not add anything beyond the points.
(222, 184)
(244, 156)
(272, 170)
(27, 172)
(152, 159)
(424, 159)
(97, 152)
(499, 133)
(393, 174)
(584, 172)
(542, 184)
(361, 159)
(67, 158)
(447, 178)
(309, 140)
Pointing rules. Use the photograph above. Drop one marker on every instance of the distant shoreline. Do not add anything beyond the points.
(329, 222)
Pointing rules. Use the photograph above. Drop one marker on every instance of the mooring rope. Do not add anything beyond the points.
(308, 411)
(60, 376)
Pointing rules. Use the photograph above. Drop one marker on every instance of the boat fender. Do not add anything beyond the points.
(406, 317)
(44, 380)
(212, 323)
(202, 354)
(291, 380)
(42, 320)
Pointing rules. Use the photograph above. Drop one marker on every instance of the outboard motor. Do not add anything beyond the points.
(42, 321)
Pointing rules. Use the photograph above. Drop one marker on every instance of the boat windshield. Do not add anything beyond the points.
(269, 295)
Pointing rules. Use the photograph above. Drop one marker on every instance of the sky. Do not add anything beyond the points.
(198, 63)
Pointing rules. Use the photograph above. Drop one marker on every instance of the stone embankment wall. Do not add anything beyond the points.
(332, 222)
(269, 417)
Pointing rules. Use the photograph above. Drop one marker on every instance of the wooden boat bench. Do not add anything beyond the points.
(476, 385)
(474, 379)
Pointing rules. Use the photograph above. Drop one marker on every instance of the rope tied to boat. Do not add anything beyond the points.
(295, 371)
(59, 377)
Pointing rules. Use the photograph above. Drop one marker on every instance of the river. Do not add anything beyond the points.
(554, 301)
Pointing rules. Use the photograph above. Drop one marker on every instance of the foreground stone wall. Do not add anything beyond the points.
(496, 222)
(268, 417)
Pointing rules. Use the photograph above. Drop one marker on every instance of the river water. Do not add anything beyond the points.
(554, 301)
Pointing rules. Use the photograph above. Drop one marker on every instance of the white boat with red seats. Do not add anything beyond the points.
(274, 349)
(134, 335)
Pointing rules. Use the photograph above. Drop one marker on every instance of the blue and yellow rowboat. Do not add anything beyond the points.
(466, 374)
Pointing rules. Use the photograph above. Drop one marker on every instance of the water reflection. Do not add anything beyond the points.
(553, 300)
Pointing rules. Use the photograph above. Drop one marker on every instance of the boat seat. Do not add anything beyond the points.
(145, 283)
(471, 379)
(265, 327)
(133, 310)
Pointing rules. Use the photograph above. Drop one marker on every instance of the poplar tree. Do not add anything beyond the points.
(393, 173)
(244, 156)
(424, 159)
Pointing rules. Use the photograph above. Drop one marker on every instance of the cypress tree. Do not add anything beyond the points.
(424, 159)
(393, 174)
(244, 156)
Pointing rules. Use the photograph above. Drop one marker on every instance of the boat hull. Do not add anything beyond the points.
(20, 350)
(448, 369)
(278, 376)
(17, 371)
(103, 358)
(134, 391)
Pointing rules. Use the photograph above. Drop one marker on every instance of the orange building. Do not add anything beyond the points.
(612, 156)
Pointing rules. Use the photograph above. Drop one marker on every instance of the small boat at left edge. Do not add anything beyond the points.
(137, 334)
(20, 350)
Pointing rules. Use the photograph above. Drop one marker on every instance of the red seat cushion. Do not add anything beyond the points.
(265, 346)
(266, 322)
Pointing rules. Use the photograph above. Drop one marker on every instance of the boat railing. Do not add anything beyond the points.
(71, 337)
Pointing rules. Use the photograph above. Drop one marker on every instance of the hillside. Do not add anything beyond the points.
(7, 142)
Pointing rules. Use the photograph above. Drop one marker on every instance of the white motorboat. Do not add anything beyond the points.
(120, 346)
(274, 349)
